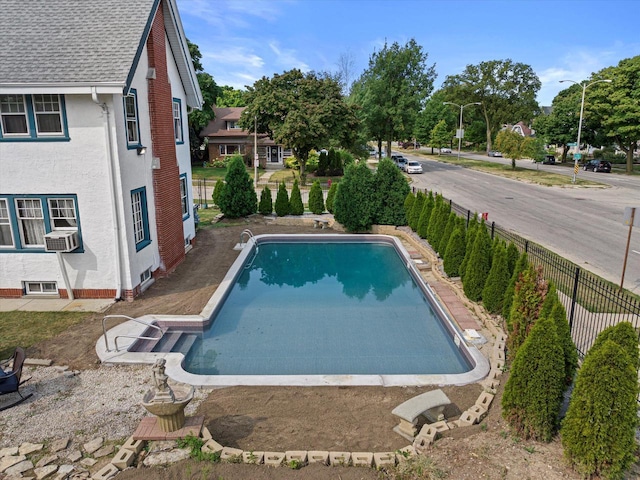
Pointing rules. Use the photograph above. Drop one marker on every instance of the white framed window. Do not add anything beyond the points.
(48, 114)
(184, 196)
(177, 121)
(30, 222)
(40, 288)
(33, 118)
(13, 109)
(62, 212)
(131, 119)
(6, 234)
(145, 276)
(230, 149)
(25, 219)
(233, 125)
(140, 218)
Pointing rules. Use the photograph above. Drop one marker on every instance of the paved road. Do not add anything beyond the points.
(582, 224)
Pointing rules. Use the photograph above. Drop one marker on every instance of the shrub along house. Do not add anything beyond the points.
(95, 183)
(225, 137)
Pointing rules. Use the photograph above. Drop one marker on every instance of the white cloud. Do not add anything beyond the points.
(287, 58)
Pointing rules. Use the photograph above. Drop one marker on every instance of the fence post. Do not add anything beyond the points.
(526, 246)
(468, 217)
(493, 229)
(574, 297)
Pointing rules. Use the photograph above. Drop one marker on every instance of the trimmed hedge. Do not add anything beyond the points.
(296, 207)
(238, 198)
(316, 200)
(509, 293)
(282, 201)
(455, 252)
(265, 207)
(598, 433)
(533, 394)
(476, 271)
(497, 280)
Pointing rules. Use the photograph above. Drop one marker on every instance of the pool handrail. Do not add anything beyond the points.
(104, 330)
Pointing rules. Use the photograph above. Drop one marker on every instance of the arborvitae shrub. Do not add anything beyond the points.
(476, 271)
(533, 394)
(559, 316)
(416, 210)
(296, 207)
(335, 163)
(323, 164)
(521, 264)
(512, 257)
(265, 207)
(282, 201)
(454, 254)
(217, 191)
(433, 220)
(316, 200)
(390, 189)
(525, 311)
(497, 281)
(408, 203)
(331, 195)
(423, 221)
(598, 432)
(441, 225)
(238, 197)
(354, 203)
(470, 236)
(624, 335)
(446, 234)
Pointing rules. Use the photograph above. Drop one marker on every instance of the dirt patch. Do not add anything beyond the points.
(301, 418)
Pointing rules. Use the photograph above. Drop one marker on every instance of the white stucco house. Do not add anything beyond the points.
(95, 176)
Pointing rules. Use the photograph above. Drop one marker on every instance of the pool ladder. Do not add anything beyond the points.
(248, 233)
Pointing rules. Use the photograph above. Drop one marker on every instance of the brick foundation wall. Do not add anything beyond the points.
(166, 179)
(77, 293)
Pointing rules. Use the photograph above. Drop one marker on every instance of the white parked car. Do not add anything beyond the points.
(413, 167)
(445, 150)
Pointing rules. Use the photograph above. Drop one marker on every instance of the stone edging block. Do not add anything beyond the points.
(253, 457)
(273, 459)
(106, 472)
(384, 458)
(124, 458)
(362, 459)
(339, 458)
(318, 456)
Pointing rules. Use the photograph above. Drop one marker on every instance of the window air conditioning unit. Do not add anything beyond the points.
(61, 241)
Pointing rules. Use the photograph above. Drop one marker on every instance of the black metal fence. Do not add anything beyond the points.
(592, 303)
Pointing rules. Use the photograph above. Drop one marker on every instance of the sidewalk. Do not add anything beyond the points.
(55, 304)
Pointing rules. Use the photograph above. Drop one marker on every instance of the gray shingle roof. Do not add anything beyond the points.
(70, 41)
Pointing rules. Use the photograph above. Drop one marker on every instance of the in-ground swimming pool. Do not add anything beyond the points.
(328, 310)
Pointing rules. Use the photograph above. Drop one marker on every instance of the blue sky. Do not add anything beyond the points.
(243, 40)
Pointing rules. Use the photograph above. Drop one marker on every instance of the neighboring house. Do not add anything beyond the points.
(225, 137)
(522, 129)
(94, 147)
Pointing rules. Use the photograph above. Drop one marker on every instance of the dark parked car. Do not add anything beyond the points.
(598, 166)
(549, 160)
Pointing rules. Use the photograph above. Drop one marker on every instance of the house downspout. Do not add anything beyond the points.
(112, 189)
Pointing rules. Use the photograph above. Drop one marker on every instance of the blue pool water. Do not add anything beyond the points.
(325, 309)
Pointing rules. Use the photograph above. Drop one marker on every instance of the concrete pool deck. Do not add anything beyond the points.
(452, 306)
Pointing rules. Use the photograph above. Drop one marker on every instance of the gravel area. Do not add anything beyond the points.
(103, 402)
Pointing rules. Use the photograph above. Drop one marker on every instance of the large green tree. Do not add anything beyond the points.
(441, 135)
(434, 111)
(506, 89)
(304, 111)
(230, 97)
(515, 146)
(198, 119)
(616, 105)
(560, 127)
(392, 90)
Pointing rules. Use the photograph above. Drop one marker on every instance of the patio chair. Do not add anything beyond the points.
(10, 381)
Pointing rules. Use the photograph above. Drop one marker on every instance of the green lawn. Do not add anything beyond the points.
(23, 329)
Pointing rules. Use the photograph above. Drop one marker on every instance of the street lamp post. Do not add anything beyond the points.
(462, 107)
(584, 89)
(255, 151)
